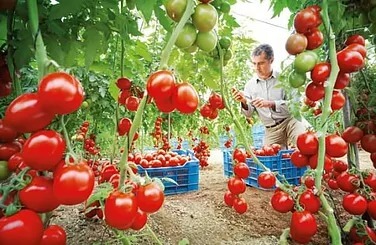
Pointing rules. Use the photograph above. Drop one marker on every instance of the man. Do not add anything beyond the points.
(263, 96)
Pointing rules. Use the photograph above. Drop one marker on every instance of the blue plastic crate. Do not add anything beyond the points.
(286, 170)
(187, 176)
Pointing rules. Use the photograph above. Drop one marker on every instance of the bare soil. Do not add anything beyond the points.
(198, 217)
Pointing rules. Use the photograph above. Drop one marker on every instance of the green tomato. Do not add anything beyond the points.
(225, 42)
(296, 79)
(305, 61)
(205, 17)
(187, 36)
(225, 7)
(228, 55)
(175, 8)
(4, 171)
(206, 41)
(191, 49)
(85, 105)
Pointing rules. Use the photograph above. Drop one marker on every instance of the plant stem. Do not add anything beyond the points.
(283, 238)
(66, 137)
(334, 230)
(129, 139)
(171, 42)
(153, 235)
(40, 49)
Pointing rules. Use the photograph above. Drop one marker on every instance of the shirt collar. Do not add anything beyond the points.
(274, 75)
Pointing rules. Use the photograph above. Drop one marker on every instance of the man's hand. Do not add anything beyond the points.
(260, 102)
(238, 95)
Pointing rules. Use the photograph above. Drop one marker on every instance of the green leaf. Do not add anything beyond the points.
(3, 28)
(163, 20)
(100, 193)
(113, 90)
(146, 8)
(65, 8)
(143, 50)
(184, 241)
(92, 44)
(133, 27)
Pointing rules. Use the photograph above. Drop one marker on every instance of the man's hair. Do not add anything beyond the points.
(266, 48)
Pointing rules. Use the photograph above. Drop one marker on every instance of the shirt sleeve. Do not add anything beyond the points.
(278, 104)
(251, 108)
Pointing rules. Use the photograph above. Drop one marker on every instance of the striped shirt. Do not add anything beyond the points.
(266, 89)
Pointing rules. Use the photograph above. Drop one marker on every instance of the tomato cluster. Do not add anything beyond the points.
(129, 95)
(157, 159)
(5, 78)
(124, 210)
(160, 140)
(211, 108)
(228, 143)
(169, 95)
(236, 184)
(197, 33)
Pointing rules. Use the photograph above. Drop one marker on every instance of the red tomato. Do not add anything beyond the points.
(25, 114)
(266, 180)
(347, 182)
(349, 61)
(339, 166)
(352, 134)
(132, 102)
(185, 98)
(241, 170)
(310, 201)
(43, 150)
(7, 134)
(299, 159)
(342, 81)
(315, 38)
(124, 126)
(240, 205)
(309, 181)
(303, 223)
(120, 210)
(215, 100)
(320, 72)
(368, 143)
(150, 197)
(22, 228)
(161, 84)
(282, 202)
(314, 92)
(38, 195)
(371, 209)
(165, 104)
(356, 38)
(236, 185)
(54, 235)
(107, 172)
(9, 149)
(305, 20)
(123, 95)
(73, 183)
(335, 146)
(140, 220)
(354, 203)
(370, 180)
(307, 143)
(338, 100)
(60, 93)
(123, 83)
(313, 160)
(358, 48)
(205, 110)
(229, 198)
(239, 155)
(14, 161)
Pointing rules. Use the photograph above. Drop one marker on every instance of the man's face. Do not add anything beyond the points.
(262, 66)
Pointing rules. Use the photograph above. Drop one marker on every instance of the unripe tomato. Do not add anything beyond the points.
(205, 17)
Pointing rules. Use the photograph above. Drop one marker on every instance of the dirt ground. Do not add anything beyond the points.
(198, 217)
